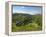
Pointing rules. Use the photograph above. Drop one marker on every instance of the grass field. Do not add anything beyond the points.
(32, 27)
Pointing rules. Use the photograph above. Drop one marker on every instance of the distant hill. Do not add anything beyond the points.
(22, 14)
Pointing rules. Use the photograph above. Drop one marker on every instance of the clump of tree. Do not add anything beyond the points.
(21, 20)
(33, 22)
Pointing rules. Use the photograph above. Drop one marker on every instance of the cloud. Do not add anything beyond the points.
(31, 13)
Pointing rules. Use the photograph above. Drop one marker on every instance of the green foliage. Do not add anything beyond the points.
(26, 22)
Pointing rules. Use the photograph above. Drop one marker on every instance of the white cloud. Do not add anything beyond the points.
(31, 13)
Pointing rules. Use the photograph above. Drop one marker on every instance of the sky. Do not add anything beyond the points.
(27, 9)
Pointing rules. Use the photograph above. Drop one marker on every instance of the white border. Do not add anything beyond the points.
(30, 4)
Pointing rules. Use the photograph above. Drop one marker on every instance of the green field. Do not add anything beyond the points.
(26, 22)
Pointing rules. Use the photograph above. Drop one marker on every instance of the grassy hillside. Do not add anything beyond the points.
(26, 22)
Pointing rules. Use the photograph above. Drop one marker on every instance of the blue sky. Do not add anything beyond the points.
(27, 9)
